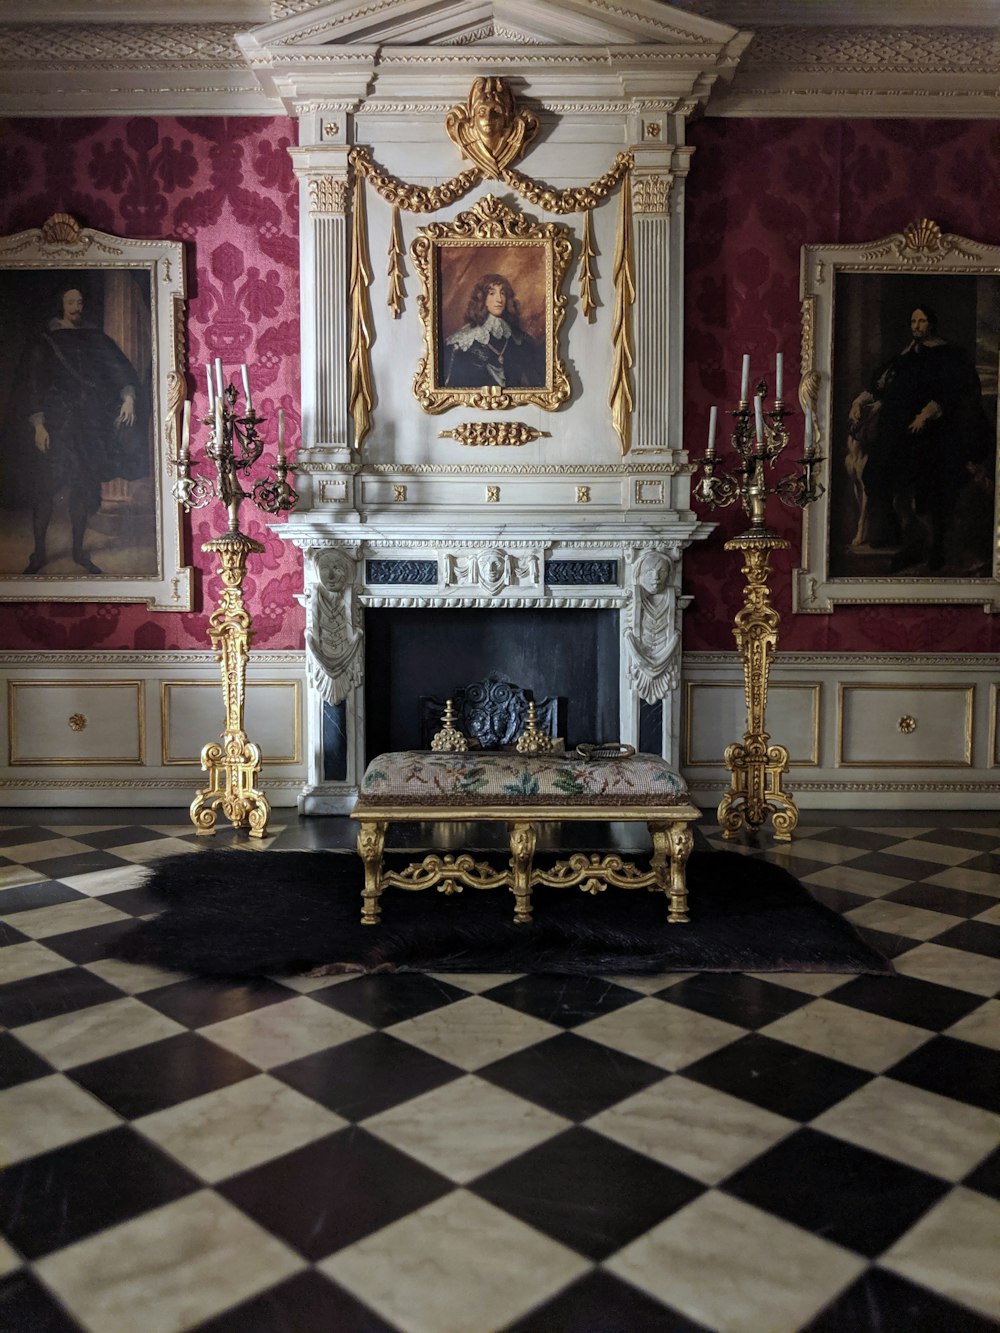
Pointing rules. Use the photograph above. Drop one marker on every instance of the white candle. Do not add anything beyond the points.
(246, 388)
(218, 418)
(758, 417)
(218, 375)
(281, 434)
(211, 389)
(809, 430)
(186, 430)
(779, 376)
(713, 416)
(745, 378)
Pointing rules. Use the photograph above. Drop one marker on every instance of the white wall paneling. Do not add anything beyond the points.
(882, 731)
(126, 729)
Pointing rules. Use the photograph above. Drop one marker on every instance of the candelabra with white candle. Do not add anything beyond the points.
(234, 448)
(758, 438)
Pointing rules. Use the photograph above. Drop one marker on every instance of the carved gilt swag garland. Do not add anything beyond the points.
(491, 131)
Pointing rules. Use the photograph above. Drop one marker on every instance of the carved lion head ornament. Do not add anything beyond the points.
(489, 129)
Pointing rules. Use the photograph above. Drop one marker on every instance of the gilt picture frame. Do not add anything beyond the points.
(901, 355)
(491, 308)
(91, 326)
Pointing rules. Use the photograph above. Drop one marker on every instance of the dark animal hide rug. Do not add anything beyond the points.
(247, 914)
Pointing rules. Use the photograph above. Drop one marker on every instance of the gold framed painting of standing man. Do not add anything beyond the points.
(491, 309)
(88, 334)
(903, 338)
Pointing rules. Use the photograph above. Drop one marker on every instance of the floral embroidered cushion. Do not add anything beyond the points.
(419, 777)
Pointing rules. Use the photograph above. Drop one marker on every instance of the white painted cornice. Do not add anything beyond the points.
(867, 71)
(240, 57)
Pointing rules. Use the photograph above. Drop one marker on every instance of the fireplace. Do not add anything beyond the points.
(570, 654)
(395, 615)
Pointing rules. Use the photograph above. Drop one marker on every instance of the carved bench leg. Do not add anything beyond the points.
(672, 845)
(522, 852)
(371, 841)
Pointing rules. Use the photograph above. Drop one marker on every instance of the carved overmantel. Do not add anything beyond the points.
(554, 127)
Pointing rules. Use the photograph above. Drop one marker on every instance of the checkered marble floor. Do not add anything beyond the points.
(467, 1154)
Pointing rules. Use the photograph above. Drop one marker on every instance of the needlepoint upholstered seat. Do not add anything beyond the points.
(521, 790)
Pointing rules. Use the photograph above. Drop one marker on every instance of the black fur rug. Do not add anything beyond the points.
(246, 914)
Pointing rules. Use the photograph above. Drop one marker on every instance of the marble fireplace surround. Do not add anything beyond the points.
(633, 570)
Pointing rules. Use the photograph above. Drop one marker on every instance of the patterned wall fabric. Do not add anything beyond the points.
(758, 191)
(226, 188)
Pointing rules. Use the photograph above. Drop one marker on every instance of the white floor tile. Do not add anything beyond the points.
(457, 1266)
(736, 1269)
(168, 1269)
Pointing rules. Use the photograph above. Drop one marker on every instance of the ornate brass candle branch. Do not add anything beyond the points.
(234, 447)
(759, 438)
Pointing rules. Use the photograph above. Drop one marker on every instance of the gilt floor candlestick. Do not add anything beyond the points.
(757, 768)
(234, 446)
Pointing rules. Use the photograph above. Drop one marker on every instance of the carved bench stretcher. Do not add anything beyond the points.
(522, 791)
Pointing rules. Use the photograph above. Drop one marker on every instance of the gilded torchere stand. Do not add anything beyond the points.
(234, 446)
(757, 767)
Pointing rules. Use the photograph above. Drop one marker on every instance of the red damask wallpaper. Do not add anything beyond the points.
(226, 188)
(757, 192)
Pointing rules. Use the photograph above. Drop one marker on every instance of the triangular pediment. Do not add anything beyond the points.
(488, 22)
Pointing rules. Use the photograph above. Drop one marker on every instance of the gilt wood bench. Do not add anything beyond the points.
(522, 791)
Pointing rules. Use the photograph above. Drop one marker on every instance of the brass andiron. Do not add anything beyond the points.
(532, 740)
(449, 737)
(234, 447)
(759, 438)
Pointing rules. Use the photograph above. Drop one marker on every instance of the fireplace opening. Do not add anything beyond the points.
(411, 653)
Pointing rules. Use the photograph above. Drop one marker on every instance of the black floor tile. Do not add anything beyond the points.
(602, 1303)
(781, 1078)
(957, 1069)
(973, 937)
(735, 998)
(381, 1000)
(900, 867)
(26, 1307)
(150, 1078)
(369, 1074)
(91, 945)
(10, 935)
(77, 863)
(42, 893)
(986, 841)
(572, 1076)
(122, 836)
(333, 1192)
(57, 1198)
(936, 898)
(587, 1192)
(198, 1001)
(306, 1303)
(843, 1193)
(865, 839)
(18, 1064)
(839, 899)
(137, 901)
(889, 946)
(52, 993)
(986, 1177)
(882, 1302)
(988, 862)
(907, 999)
(565, 1001)
(23, 835)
